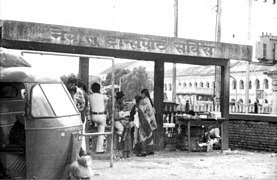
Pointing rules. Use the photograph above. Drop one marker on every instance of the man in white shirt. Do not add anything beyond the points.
(98, 104)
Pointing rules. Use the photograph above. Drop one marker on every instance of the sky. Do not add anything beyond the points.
(155, 17)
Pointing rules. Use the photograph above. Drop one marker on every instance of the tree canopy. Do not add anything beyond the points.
(118, 73)
(135, 81)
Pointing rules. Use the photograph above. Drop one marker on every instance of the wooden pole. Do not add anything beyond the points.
(217, 87)
(218, 21)
(175, 18)
(174, 74)
(248, 63)
(113, 109)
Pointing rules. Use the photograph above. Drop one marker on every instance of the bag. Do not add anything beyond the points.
(136, 120)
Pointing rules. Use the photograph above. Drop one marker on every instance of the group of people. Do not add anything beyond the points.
(135, 127)
(92, 106)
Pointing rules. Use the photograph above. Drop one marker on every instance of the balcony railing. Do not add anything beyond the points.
(241, 108)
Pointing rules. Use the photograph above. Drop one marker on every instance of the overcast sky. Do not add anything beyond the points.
(155, 17)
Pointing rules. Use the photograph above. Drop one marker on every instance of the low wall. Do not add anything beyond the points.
(251, 131)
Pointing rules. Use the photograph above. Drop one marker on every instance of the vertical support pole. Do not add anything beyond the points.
(217, 68)
(188, 129)
(218, 21)
(248, 63)
(84, 70)
(224, 101)
(158, 103)
(112, 124)
(175, 18)
(174, 64)
(274, 94)
(273, 75)
(74, 148)
(174, 74)
(222, 136)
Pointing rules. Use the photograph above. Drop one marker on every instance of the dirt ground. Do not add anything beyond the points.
(231, 165)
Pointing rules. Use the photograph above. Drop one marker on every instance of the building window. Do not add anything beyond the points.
(184, 84)
(165, 87)
(266, 101)
(179, 84)
(241, 84)
(170, 88)
(264, 50)
(240, 101)
(190, 84)
(265, 83)
(201, 84)
(207, 85)
(257, 84)
(250, 85)
(234, 84)
(195, 84)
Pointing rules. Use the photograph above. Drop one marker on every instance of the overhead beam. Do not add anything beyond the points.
(45, 35)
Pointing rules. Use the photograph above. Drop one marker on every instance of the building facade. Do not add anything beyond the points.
(196, 84)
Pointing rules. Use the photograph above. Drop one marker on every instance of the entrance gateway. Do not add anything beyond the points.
(160, 49)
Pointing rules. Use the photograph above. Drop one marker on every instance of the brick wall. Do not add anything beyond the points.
(253, 135)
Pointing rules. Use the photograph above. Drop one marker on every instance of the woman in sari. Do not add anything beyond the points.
(147, 124)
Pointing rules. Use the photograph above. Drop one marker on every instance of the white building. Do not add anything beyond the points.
(198, 81)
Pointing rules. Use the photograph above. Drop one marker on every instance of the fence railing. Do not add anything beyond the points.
(241, 108)
(251, 109)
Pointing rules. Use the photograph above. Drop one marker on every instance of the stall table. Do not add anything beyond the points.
(181, 120)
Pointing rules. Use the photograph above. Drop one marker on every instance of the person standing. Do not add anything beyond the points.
(142, 129)
(78, 96)
(147, 108)
(98, 104)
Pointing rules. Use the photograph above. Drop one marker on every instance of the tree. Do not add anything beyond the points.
(135, 81)
(118, 73)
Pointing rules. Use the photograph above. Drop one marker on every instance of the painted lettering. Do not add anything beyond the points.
(161, 45)
(193, 47)
(72, 38)
(208, 50)
(92, 41)
(182, 48)
(57, 34)
(111, 42)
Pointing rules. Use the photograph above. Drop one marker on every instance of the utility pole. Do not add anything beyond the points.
(248, 63)
(217, 39)
(174, 64)
(218, 21)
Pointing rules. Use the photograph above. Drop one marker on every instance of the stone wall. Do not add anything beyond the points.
(253, 133)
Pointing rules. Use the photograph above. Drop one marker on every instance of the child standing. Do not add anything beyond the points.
(126, 140)
(122, 115)
(126, 137)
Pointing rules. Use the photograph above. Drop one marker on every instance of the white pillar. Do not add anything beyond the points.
(273, 75)
(274, 94)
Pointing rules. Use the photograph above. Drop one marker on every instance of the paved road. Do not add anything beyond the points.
(233, 165)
